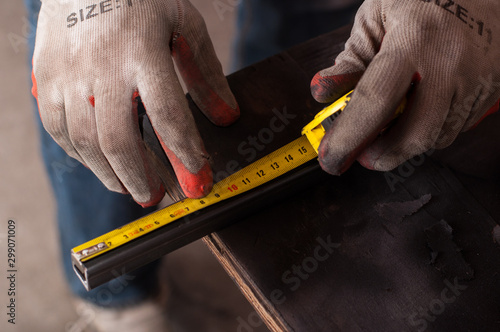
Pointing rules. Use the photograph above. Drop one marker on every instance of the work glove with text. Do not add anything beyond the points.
(94, 58)
(446, 51)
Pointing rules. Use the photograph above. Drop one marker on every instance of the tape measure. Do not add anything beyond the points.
(264, 170)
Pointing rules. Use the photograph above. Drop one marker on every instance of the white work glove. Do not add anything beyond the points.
(448, 49)
(93, 58)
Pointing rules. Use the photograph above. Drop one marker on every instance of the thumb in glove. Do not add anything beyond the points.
(449, 52)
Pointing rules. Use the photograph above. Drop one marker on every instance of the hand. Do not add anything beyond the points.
(448, 49)
(93, 58)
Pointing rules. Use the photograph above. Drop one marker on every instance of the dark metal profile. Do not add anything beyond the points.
(168, 238)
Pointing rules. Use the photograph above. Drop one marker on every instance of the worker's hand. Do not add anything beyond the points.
(448, 49)
(93, 58)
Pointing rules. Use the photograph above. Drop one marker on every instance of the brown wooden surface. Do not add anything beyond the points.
(393, 259)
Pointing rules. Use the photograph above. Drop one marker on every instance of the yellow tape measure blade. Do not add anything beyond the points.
(262, 171)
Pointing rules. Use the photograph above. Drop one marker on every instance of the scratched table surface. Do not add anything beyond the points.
(409, 250)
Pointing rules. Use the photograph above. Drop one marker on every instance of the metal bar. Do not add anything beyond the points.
(152, 246)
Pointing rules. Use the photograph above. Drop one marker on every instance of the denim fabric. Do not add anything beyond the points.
(85, 210)
(267, 27)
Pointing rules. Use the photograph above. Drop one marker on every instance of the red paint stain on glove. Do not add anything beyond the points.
(212, 105)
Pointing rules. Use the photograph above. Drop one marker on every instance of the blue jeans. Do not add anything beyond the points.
(267, 27)
(86, 209)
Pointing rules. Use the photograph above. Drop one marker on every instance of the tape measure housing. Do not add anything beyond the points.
(315, 130)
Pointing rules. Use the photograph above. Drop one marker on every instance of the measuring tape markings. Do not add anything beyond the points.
(263, 170)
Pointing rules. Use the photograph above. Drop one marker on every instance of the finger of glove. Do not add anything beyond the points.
(167, 108)
(52, 113)
(370, 109)
(471, 104)
(365, 41)
(122, 145)
(478, 113)
(416, 131)
(82, 129)
(460, 111)
(201, 71)
(495, 108)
